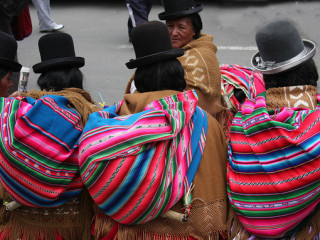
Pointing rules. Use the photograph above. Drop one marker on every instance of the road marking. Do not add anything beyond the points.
(125, 46)
(238, 48)
(228, 48)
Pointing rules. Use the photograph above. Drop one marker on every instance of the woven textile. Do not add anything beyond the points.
(303, 96)
(137, 166)
(38, 150)
(273, 171)
(202, 73)
(240, 77)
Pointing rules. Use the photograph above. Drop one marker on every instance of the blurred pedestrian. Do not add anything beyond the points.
(8, 10)
(8, 50)
(46, 24)
(138, 12)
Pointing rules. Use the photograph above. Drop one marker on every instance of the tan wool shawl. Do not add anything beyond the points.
(202, 72)
(208, 216)
(303, 96)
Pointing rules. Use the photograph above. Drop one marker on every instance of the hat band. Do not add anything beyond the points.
(272, 64)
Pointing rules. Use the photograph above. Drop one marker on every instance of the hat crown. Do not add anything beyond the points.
(173, 6)
(279, 41)
(8, 47)
(55, 46)
(8, 51)
(57, 52)
(150, 38)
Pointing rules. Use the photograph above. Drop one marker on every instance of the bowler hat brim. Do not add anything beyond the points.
(163, 16)
(58, 63)
(11, 65)
(153, 58)
(309, 52)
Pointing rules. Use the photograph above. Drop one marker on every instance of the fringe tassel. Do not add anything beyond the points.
(80, 99)
(125, 233)
(102, 224)
(17, 229)
(86, 214)
(174, 216)
(311, 230)
(182, 217)
(14, 226)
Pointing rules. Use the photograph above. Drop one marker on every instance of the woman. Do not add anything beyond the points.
(41, 188)
(200, 63)
(8, 50)
(136, 158)
(274, 151)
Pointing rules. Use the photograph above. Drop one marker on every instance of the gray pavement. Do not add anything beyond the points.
(100, 36)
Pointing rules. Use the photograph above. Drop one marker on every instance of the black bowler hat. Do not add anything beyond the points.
(57, 51)
(151, 43)
(179, 8)
(280, 47)
(8, 51)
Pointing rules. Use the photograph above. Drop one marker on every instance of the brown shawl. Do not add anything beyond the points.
(202, 73)
(209, 205)
(292, 97)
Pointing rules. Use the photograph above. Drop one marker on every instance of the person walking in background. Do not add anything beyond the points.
(9, 9)
(138, 12)
(46, 24)
(8, 50)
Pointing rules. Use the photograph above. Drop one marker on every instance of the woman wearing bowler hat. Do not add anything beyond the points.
(41, 189)
(200, 63)
(274, 152)
(136, 186)
(59, 67)
(8, 51)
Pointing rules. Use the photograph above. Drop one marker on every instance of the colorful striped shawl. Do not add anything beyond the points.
(239, 77)
(136, 167)
(38, 150)
(273, 170)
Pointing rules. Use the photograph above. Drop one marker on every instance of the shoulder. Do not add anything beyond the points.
(203, 44)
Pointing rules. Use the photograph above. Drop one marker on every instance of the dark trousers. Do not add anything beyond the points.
(5, 23)
(6, 27)
(138, 12)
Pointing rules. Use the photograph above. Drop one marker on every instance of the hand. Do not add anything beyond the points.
(14, 94)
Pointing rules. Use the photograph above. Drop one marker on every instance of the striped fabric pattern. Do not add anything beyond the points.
(240, 77)
(39, 150)
(136, 167)
(274, 167)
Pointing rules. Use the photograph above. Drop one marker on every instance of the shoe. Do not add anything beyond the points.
(57, 27)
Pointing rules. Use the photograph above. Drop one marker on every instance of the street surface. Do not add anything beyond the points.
(99, 30)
